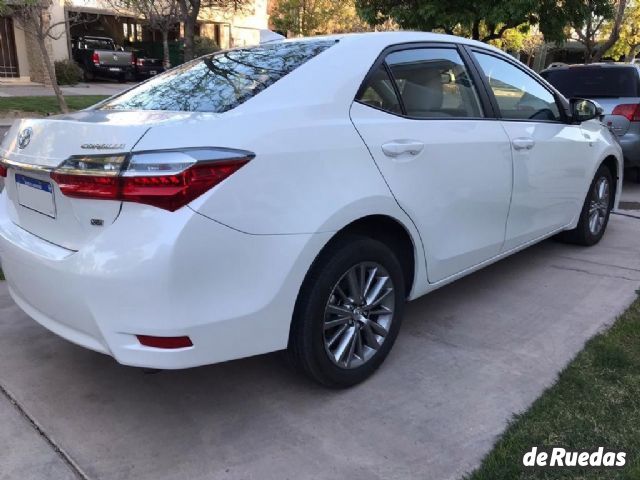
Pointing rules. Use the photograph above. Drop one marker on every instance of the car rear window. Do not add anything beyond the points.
(219, 82)
(594, 82)
(99, 43)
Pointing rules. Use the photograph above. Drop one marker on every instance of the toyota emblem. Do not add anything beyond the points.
(24, 137)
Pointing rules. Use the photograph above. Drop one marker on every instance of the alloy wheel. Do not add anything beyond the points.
(599, 205)
(358, 315)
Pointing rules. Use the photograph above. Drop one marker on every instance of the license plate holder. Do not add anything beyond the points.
(36, 195)
(153, 72)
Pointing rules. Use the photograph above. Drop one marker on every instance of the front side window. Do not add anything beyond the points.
(219, 82)
(519, 96)
(434, 83)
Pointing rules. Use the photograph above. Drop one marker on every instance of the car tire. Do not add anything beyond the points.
(331, 337)
(596, 210)
(88, 76)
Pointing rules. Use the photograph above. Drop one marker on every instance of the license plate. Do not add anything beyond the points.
(153, 72)
(114, 69)
(35, 195)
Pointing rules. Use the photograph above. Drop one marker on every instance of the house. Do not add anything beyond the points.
(20, 58)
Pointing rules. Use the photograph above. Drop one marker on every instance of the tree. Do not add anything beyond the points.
(524, 40)
(189, 11)
(34, 19)
(588, 18)
(481, 20)
(628, 44)
(160, 15)
(313, 17)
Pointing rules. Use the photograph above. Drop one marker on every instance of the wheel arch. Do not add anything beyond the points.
(401, 238)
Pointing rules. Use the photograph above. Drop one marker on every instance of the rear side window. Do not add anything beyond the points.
(379, 92)
(595, 81)
(519, 95)
(219, 82)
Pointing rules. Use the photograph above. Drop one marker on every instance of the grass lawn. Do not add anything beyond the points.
(595, 403)
(44, 105)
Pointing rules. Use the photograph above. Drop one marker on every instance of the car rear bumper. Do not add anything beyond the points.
(111, 72)
(148, 70)
(231, 293)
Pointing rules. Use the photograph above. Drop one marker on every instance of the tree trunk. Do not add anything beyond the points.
(632, 54)
(475, 30)
(189, 11)
(589, 56)
(165, 49)
(52, 74)
(189, 34)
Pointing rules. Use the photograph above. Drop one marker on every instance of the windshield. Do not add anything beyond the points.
(594, 82)
(219, 82)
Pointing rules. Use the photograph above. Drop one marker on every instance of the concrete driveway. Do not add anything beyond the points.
(468, 357)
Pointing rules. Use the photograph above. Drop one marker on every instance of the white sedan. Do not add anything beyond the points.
(293, 196)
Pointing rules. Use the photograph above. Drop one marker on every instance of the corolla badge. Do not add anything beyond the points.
(102, 146)
(24, 137)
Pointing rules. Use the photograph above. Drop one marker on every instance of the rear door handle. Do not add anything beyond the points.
(523, 143)
(400, 147)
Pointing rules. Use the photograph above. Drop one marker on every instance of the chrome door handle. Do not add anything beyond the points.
(523, 143)
(400, 147)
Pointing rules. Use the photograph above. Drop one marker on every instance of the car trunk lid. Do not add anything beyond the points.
(33, 148)
(108, 58)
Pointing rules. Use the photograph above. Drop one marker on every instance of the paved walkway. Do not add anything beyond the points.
(468, 357)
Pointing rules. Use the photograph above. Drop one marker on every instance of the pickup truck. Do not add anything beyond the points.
(145, 66)
(99, 57)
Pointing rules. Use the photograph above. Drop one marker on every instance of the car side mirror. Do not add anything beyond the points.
(583, 110)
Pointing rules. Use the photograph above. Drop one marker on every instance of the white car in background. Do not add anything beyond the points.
(292, 196)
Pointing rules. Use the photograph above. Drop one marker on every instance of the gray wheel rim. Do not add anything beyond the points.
(599, 205)
(358, 315)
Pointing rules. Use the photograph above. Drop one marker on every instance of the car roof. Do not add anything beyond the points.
(392, 38)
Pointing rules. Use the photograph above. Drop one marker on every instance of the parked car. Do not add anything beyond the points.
(99, 57)
(616, 87)
(145, 66)
(293, 195)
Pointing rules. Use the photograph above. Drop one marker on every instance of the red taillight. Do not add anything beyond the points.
(167, 180)
(87, 186)
(164, 342)
(174, 191)
(3, 171)
(133, 59)
(631, 111)
(96, 58)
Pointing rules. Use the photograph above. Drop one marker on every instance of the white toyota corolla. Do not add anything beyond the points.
(293, 196)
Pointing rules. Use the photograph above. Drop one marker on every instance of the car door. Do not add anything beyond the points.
(446, 160)
(550, 156)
